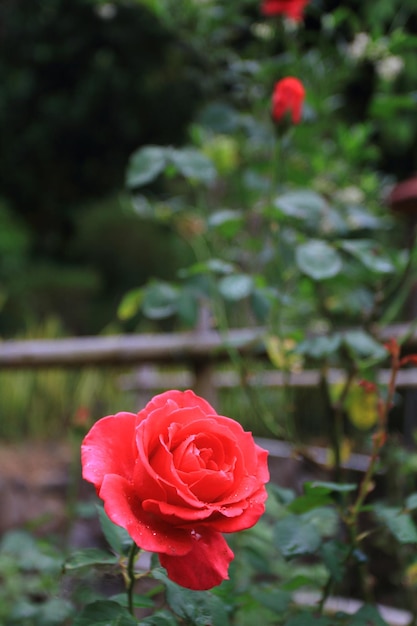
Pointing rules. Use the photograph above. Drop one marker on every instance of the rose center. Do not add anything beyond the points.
(189, 456)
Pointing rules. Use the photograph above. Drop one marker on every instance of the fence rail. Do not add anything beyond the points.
(130, 349)
(120, 350)
(198, 350)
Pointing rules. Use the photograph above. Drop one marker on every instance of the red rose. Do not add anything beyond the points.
(292, 9)
(288, 98)
(175, 476)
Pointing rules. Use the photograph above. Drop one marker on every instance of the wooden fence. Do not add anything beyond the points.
(197, 352)
(185, 347)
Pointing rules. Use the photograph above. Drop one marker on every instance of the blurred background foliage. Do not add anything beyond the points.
(85, 82)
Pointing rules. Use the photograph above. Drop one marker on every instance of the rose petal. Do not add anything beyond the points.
(109, 448)
(204, 567)
(124, 509)
(239, 518)
(175, 514)
(211, 486)
(181, 399)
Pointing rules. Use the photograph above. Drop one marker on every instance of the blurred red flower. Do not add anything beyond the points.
(287, 99)
(293, 9)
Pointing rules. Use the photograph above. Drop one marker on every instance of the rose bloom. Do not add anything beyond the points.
(287, 98)
(293, 9)
(175, 476)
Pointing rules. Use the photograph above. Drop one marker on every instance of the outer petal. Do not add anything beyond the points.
(242, 519)
(204, 567)
(124, 509)
(174, 399)
(109, 448)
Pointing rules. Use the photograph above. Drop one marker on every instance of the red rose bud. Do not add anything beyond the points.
(293, 9)
(393, 348)
(175, 476)
(287, 99)
(411, 358)
(367, 385)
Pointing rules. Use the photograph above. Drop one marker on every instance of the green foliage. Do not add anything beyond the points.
(29, 575)
(194, 607)
(104, 613)
(399, 523)
(318, 260)
(89, 557)
(44, 405)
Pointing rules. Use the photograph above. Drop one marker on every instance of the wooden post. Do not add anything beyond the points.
(203, 382)
(403, 201)
(203, 368)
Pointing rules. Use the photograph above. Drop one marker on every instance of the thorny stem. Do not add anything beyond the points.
(379, 438)
(336, 416)
(130, 576)
(377, 443)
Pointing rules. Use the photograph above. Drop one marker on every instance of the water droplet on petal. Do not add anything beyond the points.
(195, 535)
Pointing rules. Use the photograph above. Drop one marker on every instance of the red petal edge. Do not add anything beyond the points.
(204, 567)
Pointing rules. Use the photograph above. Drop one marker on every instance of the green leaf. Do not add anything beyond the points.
(51, 612)
(367, 616)
(130, 304)
(294, 537)
(159, 618)
(219, 117)
(411, 502)
(145, 165)
(369, 254)
(301, 204)
(261, 301)
(282, 494)
(298, 582)
(226, 222)
(359, 219)
(305, 618)
(398, 522)
(362, 345)
(104, 613)
(198, 608)
(320, 347)
(193, 165)
(324, 519)
(390, 105)
(117, 537)
(326, 487)
(236, 287)
(29, 553)
(139, 601)
(334, 554)
(211, 266)
(89, 557)
(318, 259)
(160, 300)
(272, 598)
(307, 502)
(188, 307)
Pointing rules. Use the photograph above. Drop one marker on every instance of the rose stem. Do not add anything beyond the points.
(131, 579)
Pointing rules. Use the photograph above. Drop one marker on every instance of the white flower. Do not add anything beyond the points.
(390, 67)
(350, 195)
(106, 11)
(358, 48)
(262, 31)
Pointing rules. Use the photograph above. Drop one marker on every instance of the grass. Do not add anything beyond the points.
(45, 404)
